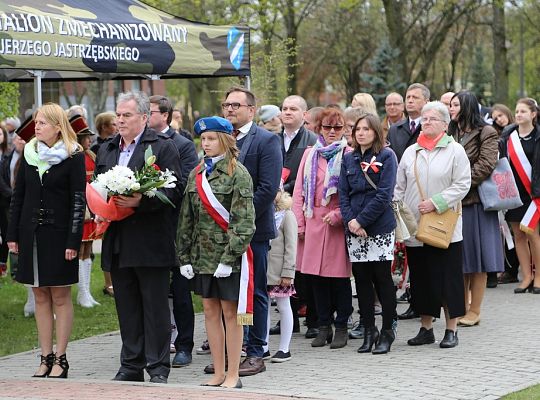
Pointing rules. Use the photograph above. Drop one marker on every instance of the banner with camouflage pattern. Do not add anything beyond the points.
(90, 38)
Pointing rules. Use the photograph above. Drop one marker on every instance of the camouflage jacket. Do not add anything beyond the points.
(199, 239)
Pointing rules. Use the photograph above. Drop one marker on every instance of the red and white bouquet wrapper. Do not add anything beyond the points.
(96, 199)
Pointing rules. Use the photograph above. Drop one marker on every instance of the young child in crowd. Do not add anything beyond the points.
(281, 268)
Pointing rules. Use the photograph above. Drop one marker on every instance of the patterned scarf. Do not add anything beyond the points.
(333, 154)
(39, 155)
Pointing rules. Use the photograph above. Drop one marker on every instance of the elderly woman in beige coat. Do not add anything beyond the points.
(444, 174)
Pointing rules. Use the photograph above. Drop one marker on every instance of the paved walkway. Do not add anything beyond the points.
(499, 356)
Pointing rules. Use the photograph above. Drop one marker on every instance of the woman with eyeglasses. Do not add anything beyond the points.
(321, 254)
(482, 245)
(440, 167)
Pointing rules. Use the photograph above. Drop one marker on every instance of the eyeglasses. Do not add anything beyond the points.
(424, 120)
(393, 104)
(336, 128)
(234, 106)
(349, 127)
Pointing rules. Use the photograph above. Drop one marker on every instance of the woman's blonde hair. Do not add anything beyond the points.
(228, 146)
(56, 116)
(366, 101)
(283, 201)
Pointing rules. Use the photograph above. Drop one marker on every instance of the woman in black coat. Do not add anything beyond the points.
(45, 228)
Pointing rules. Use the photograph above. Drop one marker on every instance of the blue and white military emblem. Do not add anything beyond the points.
(235, 44)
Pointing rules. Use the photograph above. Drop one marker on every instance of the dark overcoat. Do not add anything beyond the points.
(50, 212)
(146, 238)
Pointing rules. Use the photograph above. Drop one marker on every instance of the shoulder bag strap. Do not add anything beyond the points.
(416, 177)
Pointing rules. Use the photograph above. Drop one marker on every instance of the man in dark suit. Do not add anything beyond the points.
(161, 111)
(139, 250)
(404, 133)
(295, 138)
(260, 153)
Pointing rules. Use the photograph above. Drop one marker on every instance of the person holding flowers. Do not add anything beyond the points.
(45, 229)
(217, 223)
(139, 249)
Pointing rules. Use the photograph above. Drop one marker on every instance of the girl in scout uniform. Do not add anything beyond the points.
(217, 222)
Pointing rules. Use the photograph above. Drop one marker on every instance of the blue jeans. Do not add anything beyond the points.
(257, 332)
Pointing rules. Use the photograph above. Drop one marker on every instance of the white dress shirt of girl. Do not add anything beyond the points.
(366, 186)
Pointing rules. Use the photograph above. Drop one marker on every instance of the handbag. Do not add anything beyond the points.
(405, 221)
(499, 191)
(406, 225)
(436, 229)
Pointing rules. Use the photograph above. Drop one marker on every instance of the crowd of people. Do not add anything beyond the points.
(286, 204)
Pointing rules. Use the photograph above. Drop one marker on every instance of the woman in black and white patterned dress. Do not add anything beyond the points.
(368, 177)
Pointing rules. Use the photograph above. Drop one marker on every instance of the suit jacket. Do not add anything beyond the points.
(146, 238)
(292, 157)
(401, 137)
(188, 156)
(261, 155)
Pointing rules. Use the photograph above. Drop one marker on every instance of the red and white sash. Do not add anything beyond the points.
(523, 167)
(221, 216)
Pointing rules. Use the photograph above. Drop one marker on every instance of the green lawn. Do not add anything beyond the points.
(18, 333)
(531, 393)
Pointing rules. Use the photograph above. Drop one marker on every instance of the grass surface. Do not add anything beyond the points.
(18, 333)
(531, 393)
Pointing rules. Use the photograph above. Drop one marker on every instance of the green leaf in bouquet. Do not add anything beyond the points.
(164, 199)
(149, 156)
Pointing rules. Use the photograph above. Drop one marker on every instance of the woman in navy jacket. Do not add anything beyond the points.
(366, 185)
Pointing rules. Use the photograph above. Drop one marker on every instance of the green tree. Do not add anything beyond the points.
(9, 99)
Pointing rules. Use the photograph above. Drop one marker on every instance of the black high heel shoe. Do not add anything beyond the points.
(62, 362)
(520, 290)
(48, 361)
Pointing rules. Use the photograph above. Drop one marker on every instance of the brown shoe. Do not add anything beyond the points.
(251, 366)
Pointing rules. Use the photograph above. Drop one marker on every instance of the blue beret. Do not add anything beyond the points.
(214, 124)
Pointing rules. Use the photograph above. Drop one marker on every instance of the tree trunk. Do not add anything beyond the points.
(289, 15)
(393, 11)
(500, 59)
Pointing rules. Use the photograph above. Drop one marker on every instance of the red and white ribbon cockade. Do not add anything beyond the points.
(374, 165)
(221, 216)
(524, 170)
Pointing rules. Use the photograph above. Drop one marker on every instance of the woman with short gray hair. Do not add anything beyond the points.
(440, 166)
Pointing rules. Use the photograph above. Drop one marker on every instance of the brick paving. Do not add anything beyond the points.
(498, 357)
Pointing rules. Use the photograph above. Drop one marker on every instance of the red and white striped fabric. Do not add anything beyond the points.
(523, 167)
(221, 216)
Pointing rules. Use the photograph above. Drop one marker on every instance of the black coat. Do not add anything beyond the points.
(146, 238)
(51, 213)
(261, 155)
(535, 162)
(400, 136)
(291, 158)
(187, 153)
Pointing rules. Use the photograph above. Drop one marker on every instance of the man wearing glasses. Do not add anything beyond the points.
(405, 133)
(394, 108)
(260, 153)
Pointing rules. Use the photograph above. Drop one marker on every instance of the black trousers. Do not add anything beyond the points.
(141, 297)
(303, 284)
(378, 274)
(333, 295)
(184, 317)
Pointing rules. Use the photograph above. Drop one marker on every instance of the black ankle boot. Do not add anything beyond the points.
(61, 361)
(340, 339)
(48, 361)
(324, 336)
(386, 339)
(370, 337)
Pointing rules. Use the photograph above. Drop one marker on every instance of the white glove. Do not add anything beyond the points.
(222, 271)
(187, 271)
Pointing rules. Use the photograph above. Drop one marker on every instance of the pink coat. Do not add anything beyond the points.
(323, 251)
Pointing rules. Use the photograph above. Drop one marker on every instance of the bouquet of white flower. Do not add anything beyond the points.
(122, 181)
